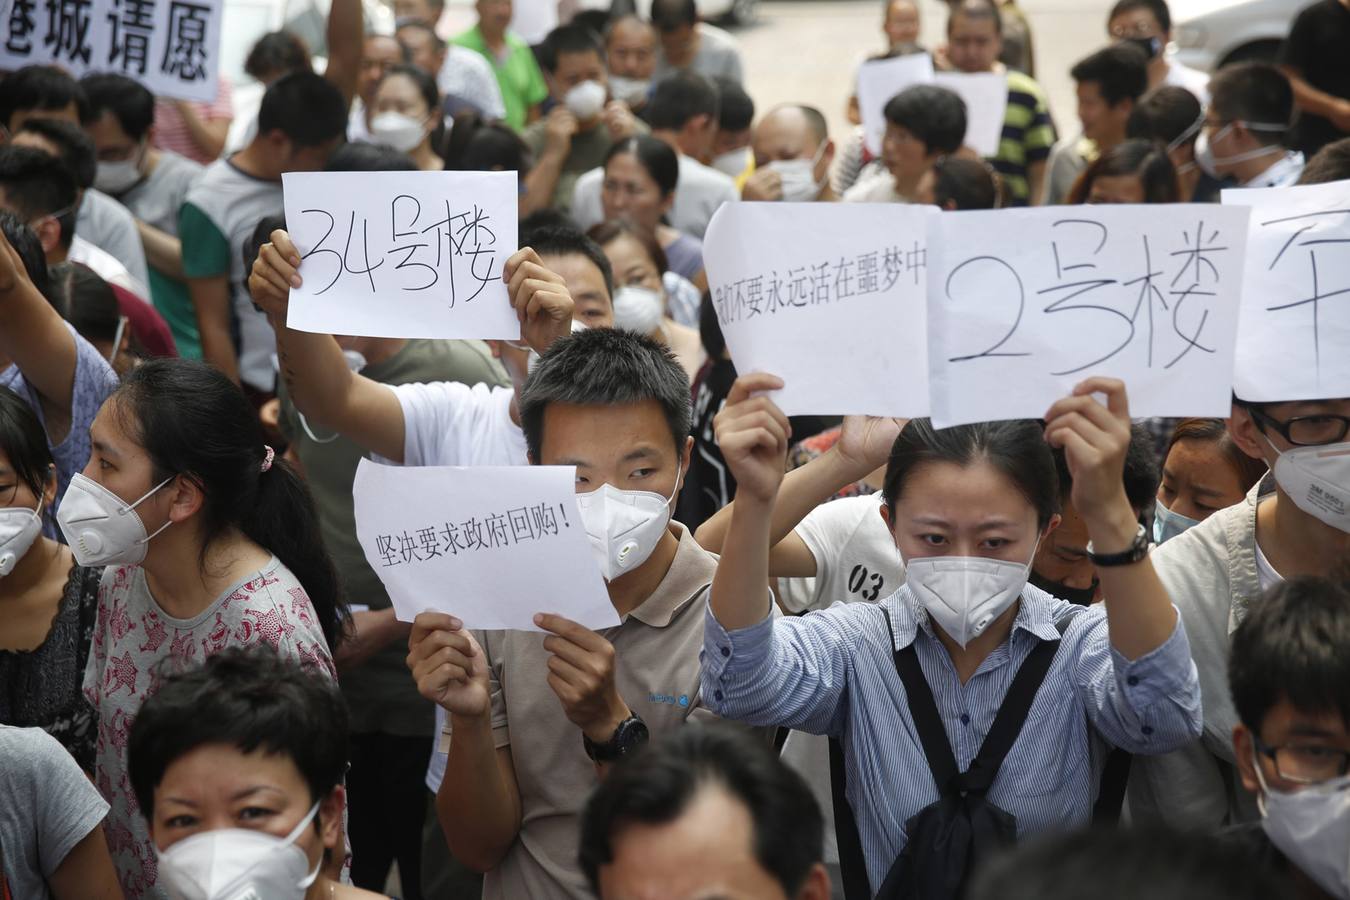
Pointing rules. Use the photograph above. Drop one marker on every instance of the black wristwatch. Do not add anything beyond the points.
(1137, 551)
(631, 734)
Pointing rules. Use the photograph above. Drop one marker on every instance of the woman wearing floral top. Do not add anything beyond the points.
(209, 542)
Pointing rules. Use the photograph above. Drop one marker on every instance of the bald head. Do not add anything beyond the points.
(631, 48)
(791, 131)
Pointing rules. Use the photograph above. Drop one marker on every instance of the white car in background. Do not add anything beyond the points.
(1209, 34)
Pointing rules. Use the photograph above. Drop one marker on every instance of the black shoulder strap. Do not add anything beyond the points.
(1011, 716)
(937, 747)
(852, 863)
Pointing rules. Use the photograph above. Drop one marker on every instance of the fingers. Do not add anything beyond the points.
(571, 631)
(750, 384)
(272, 260)
(737, 415)
(1091, 414)
(523, 255)
(1116, 398)
(530, 270)
(281, 240)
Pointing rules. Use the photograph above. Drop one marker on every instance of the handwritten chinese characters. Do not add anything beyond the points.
(403, 254)
(1025, 303)
(171, 47)
(1293, 340)
(492, 545)
(828, 296)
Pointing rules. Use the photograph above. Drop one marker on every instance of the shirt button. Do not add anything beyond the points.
(726, 651)
(1147, 729)
(1132, 680)
(965, 718)
(717, 695)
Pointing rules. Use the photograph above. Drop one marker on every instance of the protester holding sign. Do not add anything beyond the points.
(968, 507)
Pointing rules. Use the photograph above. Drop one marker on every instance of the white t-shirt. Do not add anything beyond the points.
(699, 191)
(1193, 80)
(874, 187)
(1265, 572)
(856, 559)
(447, 423)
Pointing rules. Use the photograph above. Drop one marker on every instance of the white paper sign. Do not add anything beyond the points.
(1025, 303)
(1294, 334)
(879, 81)
(532, 20)
(986, 98)
(403, 254)
(830, 297)
(491, 545)
(170, 46)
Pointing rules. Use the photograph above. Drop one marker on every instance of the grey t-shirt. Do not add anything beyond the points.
(717, 56)
(94, 382)
(49, 807)
(110, 226)
(157, 199)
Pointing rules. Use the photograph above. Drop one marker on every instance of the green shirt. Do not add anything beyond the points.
(380, 693)
(517, 74)
(1028, 135)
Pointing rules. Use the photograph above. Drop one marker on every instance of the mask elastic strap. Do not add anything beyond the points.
(1191, 130)
(1260, 779)
(150, 493)
(117, 338)
(295, 835)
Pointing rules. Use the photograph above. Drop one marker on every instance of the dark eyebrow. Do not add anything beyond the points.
(1304, 730)
(641, 453)
(103, 448)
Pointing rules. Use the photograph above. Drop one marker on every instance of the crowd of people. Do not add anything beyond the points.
(1085, 655)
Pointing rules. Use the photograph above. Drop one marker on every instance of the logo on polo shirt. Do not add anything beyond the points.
(670, 699)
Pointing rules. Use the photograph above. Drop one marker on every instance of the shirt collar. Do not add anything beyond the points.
(908, 616)
(1282, 173)
(689, 574)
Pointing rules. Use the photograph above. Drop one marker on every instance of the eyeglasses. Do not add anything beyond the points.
(1306, 763)
(1307, 431)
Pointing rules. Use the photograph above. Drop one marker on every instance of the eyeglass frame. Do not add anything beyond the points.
(1283, 428)
(1267, 750)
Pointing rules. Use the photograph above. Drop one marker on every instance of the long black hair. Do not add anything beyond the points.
(24, 443)
(1017, 448)
(193, 421)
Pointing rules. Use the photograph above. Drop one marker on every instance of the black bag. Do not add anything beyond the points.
(948, 838)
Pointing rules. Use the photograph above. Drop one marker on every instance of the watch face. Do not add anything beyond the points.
(631, 735)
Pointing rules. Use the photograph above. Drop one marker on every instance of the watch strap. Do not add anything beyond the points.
(1132, 554)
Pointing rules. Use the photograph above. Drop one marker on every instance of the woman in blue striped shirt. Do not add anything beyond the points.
(967, 507)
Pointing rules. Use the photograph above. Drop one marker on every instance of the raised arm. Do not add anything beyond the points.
(1318, 102)
(1095, 438)
(479, 801)
(863, 447)
(33, 336)
(344, 36)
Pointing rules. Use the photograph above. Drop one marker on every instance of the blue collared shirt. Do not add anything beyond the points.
(833, 673)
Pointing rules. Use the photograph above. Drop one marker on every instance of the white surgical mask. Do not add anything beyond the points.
(1312, 828)
(637, 308)
(1209, 163)
(964, 594)
(19, 527)
(797, 177)
(624, 527)
(102, 529)
(1167, 524)
(117, 177)
(1317, 479)
(629, 90)
(585, 100)
(397, 130)
(733, 162)
(238, 864)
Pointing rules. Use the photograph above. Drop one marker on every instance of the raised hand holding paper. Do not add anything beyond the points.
(830, 297)
(1293, 339)
(1024, 304)
(491, 545)
(403, 254)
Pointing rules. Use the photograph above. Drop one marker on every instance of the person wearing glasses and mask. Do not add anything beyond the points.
(1243, 138)
(1290, 680)
(1295, 522)
(1148, 24)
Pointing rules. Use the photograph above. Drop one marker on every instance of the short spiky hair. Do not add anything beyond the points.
(605, 367)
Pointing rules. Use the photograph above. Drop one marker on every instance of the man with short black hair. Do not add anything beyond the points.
(152, 184)
(923, 123)
(36, 92)
(707, 812)
(1247, 124)
(533, 724)
(683, 112)
(631, 48)
(302, 118)
(688, 45)
(584, 123)
(731, 153)
(1148, 24)
(464, 77)
(379, 54)
(1289, 674)
(1109, 83)
(1171, 116)
(792, 154)
(974, 44)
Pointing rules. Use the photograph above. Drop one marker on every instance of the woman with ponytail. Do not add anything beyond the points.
(209, 541)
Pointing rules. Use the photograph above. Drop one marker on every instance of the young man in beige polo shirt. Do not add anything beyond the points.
(533, 721)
